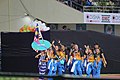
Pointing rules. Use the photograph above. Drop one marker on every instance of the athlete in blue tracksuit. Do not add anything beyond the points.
(61, 62)
(52, 64)
(97, 68)
(99, 60)
(76, 68)
(89, 62)
(52, 68)
(60, 65)
(69, 64)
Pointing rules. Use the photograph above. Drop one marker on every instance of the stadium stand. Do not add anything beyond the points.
(107, 6)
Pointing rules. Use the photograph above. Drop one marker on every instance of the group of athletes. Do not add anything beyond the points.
(59, 59)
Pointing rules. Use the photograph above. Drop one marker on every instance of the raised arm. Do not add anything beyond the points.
(37, 56)
(104, 60)
(53, 43)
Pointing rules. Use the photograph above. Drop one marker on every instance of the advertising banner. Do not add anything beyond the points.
(101, 18)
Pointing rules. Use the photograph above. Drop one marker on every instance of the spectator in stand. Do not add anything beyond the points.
(89, 3)
(64, 27)
(83, 2)
(110, 3)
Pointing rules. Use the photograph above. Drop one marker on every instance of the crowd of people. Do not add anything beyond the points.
(60, 59)
(80, 2)
(90, 5)
(90, 2)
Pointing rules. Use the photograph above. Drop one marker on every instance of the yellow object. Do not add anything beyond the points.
(61, 54)
(78, 57)
(91, 59)
(98, 58)
(36, 33)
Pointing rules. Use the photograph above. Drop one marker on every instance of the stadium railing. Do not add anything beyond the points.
(105, 9)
